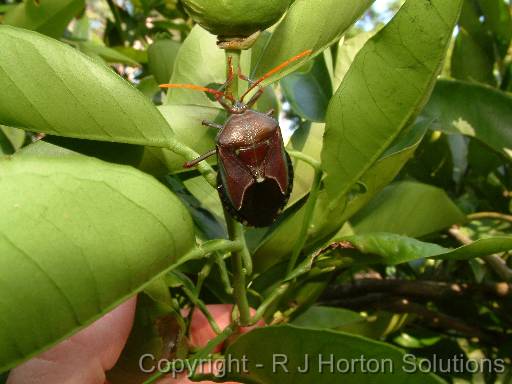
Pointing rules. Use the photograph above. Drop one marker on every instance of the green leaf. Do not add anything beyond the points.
(381, 174)
(11, 139)
(498, 20)
(408, 208)
(6, 147)
(204, 193)
(15, 136)
(486, 118)
(308, 25)
(45, 149)
(148, 86)
(263, 347)
(308, 140)
(49, 17)
(137, 55)
(470, 61)
(119, 153)
(161, 57)
(78, 237)
(385, 88)
(3, 9)
(309, 93)
(479, 248)
(186, 122)
(208, 225)
(327, 318)
(392, 249)
(50, 87)
(347, 52)
(108, 54)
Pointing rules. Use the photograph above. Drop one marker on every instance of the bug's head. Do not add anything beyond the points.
(238, 107)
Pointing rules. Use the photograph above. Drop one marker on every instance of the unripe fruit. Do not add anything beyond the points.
(236, 18)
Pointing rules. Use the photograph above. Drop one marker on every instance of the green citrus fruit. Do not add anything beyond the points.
(236, 18)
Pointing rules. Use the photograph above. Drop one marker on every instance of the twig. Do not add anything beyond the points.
(202, 307)
(436, 319)
(494, 261)
(415, 288)
(390, 303)
(490, 215)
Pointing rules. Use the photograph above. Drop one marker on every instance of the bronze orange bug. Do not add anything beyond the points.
(255, 175)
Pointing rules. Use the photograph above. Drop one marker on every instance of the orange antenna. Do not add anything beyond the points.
(198, 88)
(275, 70)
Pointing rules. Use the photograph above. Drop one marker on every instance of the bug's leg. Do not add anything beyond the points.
(222, 101)
(271, 112)
(212, 124)
(253, 84)
(190, 164)
(255, 98)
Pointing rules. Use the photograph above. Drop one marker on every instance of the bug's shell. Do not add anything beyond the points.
(255, 172)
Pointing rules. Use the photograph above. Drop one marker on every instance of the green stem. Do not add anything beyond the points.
(224, 274)
(276, 294)
(234, 55)
(308, 210)
(490, 215)
(205, 249)
(241, 260)
(235, 231)
(202, 307)
(315, 164)
(204, 273)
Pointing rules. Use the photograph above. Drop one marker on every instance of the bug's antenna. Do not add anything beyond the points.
(194, 87)
(275, 70)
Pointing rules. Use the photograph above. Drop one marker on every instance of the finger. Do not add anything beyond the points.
(85, 356)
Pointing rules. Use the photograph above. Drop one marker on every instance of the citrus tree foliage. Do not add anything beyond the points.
(396, 238)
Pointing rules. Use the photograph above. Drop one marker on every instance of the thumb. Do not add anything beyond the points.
(85, 356)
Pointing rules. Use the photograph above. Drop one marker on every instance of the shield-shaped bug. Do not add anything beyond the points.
(255, 175)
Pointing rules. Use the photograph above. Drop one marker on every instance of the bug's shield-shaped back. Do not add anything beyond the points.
(239, 178)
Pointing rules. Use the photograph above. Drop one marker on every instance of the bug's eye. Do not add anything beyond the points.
(237, 152)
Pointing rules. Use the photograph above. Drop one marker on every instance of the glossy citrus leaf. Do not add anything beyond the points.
(50, 87)
(309, 92)
(161, 58)
(473, 110)
(408, 208)
(78, 236)
(292, 346)
(392, 249)
(382, 93)
(49, 17)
